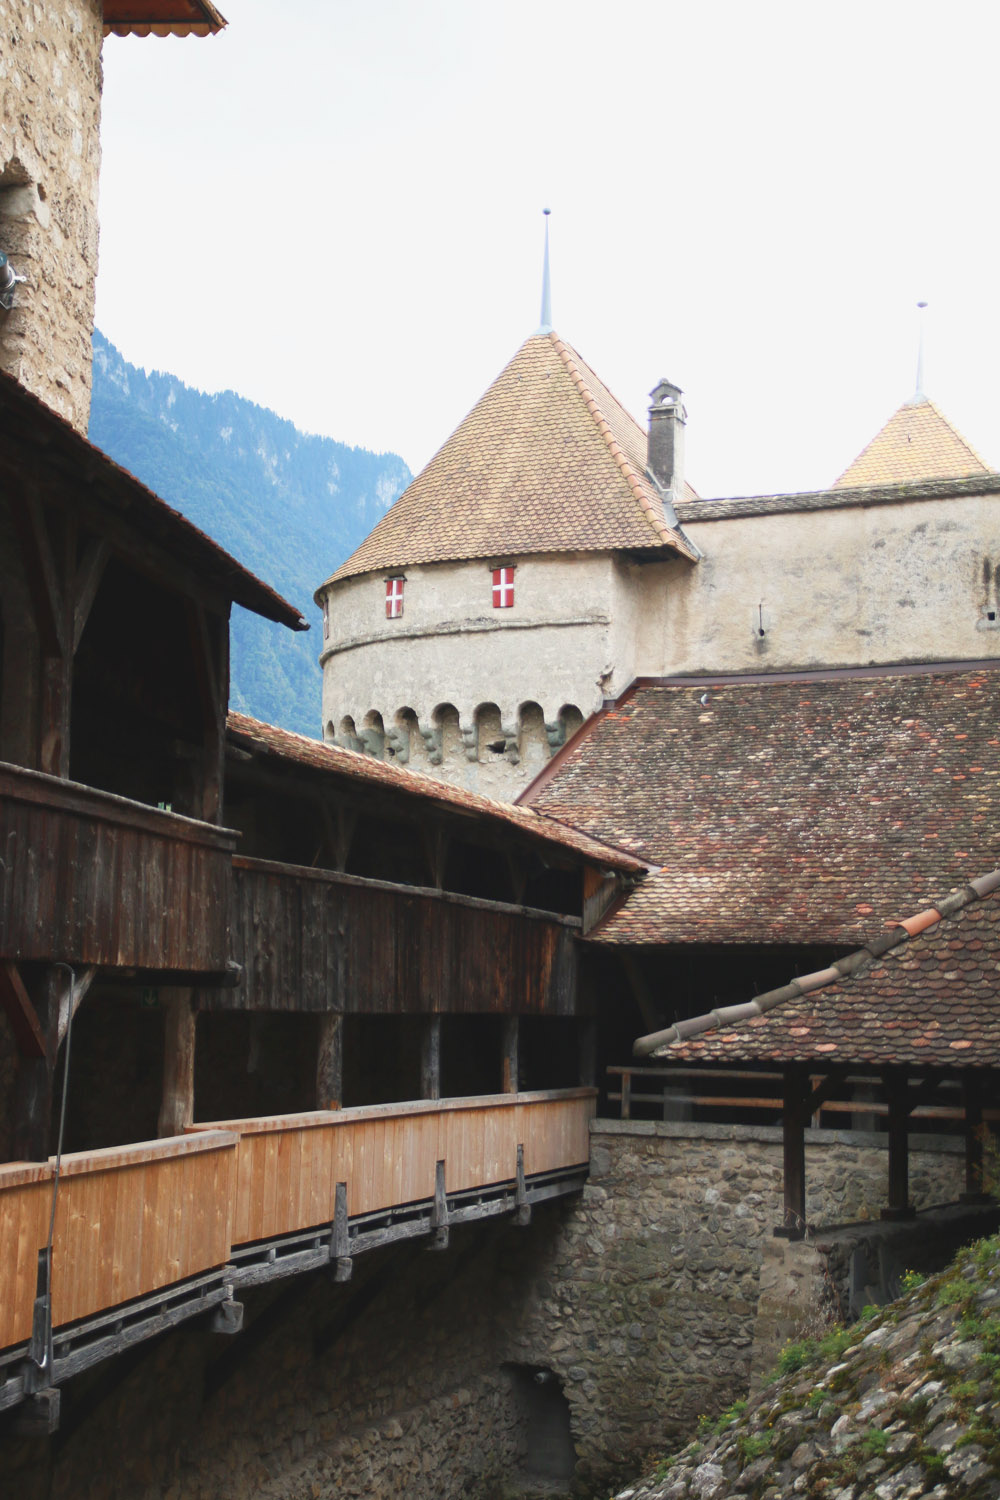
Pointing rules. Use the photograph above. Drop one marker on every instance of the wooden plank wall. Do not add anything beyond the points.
(133, 1219)
(289, 1166)
(91, 878)
(314, 940)
(129, 1220)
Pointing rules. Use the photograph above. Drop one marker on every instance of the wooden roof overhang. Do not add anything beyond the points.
(43, 459)
(917, 1007)
(161, 18)
(386, 790)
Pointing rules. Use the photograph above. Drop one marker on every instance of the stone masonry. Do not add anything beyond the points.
(50, 105)
(644, 1299)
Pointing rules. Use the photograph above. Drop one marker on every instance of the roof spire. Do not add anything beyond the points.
(918, 394)
(546, 324)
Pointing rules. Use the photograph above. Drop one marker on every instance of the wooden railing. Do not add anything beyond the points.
(87, 877)
(133, 1220)
(288, 1166)
(129, 1220)
(675, 1091)
(314, 939)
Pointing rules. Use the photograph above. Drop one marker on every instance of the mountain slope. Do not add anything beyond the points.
(288, 505)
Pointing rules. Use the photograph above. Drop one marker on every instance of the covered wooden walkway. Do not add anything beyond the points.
(147, 1236)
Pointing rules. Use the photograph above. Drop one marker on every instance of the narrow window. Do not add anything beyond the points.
(393, 598)
(326, 617)
(503, 588)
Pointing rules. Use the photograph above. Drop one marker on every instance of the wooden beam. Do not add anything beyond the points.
(430, 1058)
(33, 1090)
(23, 1017)
(793, 1117)
(330, 1061)
(72, 998)
(89, 573)
(511, 1055)
(209, 637)
(652, 1016)
(177, 1100)
(899, 1205)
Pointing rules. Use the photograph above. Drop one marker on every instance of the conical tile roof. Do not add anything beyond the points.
(547, 461)
(917, 443)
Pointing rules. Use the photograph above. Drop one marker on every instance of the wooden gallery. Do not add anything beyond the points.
(266, 1003)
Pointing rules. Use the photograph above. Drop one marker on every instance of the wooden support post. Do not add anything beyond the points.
(330, 1061)
(430, 1059)
(626, 1095)
(439, 1215)
(972, 1092)
(209, 634)
(588, 1052)
(38, 1416)
(522, 1211)
(511, 1055)
(793, 1225)
(177, 1103)
(33, 1094)
(899, 1205)
(340, 1240)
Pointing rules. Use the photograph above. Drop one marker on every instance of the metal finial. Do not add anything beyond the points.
(546, 324)
(918, 394)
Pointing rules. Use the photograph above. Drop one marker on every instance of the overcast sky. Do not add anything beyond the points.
(334, 208)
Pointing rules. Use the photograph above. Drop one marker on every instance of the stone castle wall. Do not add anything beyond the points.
(639, 1300)
(50, 104)
(644, 1297)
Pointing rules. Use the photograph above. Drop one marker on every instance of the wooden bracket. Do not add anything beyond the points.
(439, 1215)
(89, 573)
(522, 1213)
(21, 1013)
(227, 1317)
(340, 1243)
(71, 1000)
(38, 1416)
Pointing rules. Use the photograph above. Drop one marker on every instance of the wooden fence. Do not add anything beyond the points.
(316, 940)
(129, 1220)
(91, 878)
(132, 1220)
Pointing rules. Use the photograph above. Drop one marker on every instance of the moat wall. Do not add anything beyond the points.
(416, 1378)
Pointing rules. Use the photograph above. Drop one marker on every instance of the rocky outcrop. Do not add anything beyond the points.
(905, 1405)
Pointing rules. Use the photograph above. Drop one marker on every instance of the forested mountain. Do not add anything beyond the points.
(287, 505)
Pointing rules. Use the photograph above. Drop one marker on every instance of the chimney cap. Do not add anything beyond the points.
(666, 393)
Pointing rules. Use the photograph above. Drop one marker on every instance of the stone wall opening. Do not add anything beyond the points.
(549, 1454)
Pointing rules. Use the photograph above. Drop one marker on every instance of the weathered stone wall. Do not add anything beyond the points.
(910, 581)
(386, 1386)
(644, 1299)
(50, 104)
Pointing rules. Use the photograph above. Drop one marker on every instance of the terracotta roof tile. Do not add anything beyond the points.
(917, 443)
(788, 811)
(933, 999)
(333, 760)
(547, 461)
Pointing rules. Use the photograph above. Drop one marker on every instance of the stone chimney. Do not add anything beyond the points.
(665, 450)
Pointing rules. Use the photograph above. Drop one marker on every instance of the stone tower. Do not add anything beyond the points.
(50, 154)
(492, 609)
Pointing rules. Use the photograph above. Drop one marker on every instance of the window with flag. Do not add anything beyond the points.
(503, 588)
(393, 598)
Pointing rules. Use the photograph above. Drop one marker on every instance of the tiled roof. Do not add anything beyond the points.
(547, 461)
(161, 17)
(864, 498)
(924, 993)
(788, 811)
(333, 760)
(918, 442)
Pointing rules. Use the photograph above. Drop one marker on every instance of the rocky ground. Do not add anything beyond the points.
(905, 1405)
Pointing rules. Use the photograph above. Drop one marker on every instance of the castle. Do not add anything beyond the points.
(552, 553)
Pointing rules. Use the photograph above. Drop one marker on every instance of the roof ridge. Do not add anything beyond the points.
(960, 435)
(632, 479)
(842, 968)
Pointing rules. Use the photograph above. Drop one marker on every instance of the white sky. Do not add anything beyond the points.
(334, 208)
